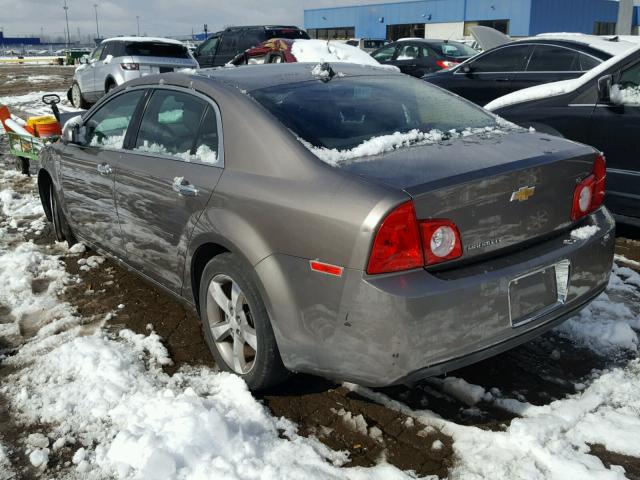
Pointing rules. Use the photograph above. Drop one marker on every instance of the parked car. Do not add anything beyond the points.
(525, 63)
(335, 223)
(602, 109)
(223, 46)
(117, 60)
(419, 56)
(367, 44)
(279, 50)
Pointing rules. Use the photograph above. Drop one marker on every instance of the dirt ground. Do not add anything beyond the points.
(538, 372)
(22, 79)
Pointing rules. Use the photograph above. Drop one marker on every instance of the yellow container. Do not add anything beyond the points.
(41, 120)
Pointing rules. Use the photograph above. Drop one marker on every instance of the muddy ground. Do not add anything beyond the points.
(539, 372)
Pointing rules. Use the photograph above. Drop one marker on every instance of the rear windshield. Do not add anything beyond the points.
(293, 33)
(348, 111)
(156, 49)
(454, 49)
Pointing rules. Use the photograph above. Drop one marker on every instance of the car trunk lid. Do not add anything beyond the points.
(501, 192)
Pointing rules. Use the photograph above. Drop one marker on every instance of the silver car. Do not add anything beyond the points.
(362, 225)
(117, 60)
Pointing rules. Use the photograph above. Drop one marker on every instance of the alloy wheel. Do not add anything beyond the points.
(231, 324)
(75, 96)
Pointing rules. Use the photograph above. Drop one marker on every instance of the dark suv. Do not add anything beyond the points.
(223, 46)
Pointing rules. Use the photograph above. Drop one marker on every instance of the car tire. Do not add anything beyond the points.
(239, 334)
(61, 229)
(76, 97)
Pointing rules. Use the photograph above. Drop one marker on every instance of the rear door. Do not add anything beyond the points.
(231, 44)
(615, 129)
(166, 178)
(548, 63)
(88, 172)
(490, 74)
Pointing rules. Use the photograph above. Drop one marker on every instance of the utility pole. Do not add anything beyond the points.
(95, 5)
(138, 22)
(66, 15)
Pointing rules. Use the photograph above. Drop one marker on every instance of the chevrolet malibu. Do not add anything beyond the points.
(345, 221)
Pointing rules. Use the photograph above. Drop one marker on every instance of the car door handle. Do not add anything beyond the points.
(502, 79)
(184, 188)
(104, 169)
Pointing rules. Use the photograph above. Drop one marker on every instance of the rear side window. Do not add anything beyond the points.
(108, 126)
(171, 126)
(156, 49)
(506, 59)
(454, 49)
(292, 33)
(345, 112)
(588, 62)
(231, 43)
(547, 58)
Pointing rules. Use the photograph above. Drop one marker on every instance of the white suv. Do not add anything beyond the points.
(117, 60)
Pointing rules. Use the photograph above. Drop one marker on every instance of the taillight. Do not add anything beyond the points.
(444, 64)
(397, 243)
(130, 66)
(441, 241)
(403, 243)
(589, 193)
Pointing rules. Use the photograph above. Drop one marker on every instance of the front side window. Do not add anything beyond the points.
(174, 124)
(547, 58)
(108, 126)
(97, 52)
(346, 112)
(626, 90)
(506, 59)
(209, 47)
(384, 54)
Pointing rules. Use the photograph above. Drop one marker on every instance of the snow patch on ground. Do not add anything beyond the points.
(32, 103)
(463, 391)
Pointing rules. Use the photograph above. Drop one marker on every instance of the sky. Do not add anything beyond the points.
(157, 17)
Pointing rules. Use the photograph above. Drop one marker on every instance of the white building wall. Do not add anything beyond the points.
(453, 30)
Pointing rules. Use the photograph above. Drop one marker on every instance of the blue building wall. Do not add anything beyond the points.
(18, 40)
(571, 15)
(526, 17)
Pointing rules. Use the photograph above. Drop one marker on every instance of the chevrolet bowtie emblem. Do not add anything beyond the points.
(522, 194)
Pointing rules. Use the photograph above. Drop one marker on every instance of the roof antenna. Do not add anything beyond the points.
(323, 71)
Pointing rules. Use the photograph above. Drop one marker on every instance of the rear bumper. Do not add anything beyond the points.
(397, 328)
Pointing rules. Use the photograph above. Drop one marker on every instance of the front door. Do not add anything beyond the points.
(165, 179)
(415, 59)
(88, 173)
(489, 76)
(615, 129)
(205, 54)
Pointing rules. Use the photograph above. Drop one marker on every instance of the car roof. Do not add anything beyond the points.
(426, 40)
(266, 27)
(611, 46)
(255, 77)
(143, 39)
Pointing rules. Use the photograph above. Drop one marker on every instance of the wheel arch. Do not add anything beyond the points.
(45, 183)
(108, 81)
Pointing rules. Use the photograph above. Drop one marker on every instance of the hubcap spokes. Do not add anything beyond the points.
(231, 324)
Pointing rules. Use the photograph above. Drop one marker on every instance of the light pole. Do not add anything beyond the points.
(95, 5)
(138, 22)
(66, 15)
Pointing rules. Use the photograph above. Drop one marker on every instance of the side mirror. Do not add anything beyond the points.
(74, 132)
(604, 89)
(467, 68)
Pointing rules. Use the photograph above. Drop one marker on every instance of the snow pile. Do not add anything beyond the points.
(584, 233)
(312, 51)
(606, 325)
(32, 103)
(107, 398)
(557, 88)
(112, 141)
(388, 143)
(625, 96)
(463, 391)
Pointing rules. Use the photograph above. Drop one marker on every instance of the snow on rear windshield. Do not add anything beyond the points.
(350, 112)
(156, 49)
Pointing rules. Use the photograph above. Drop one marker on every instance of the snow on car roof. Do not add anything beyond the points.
(610, 45)
(324, 51)
(556, 88)
(143, 39)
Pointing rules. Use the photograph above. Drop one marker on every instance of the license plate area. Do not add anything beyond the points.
(166, 69)
(538, 293)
